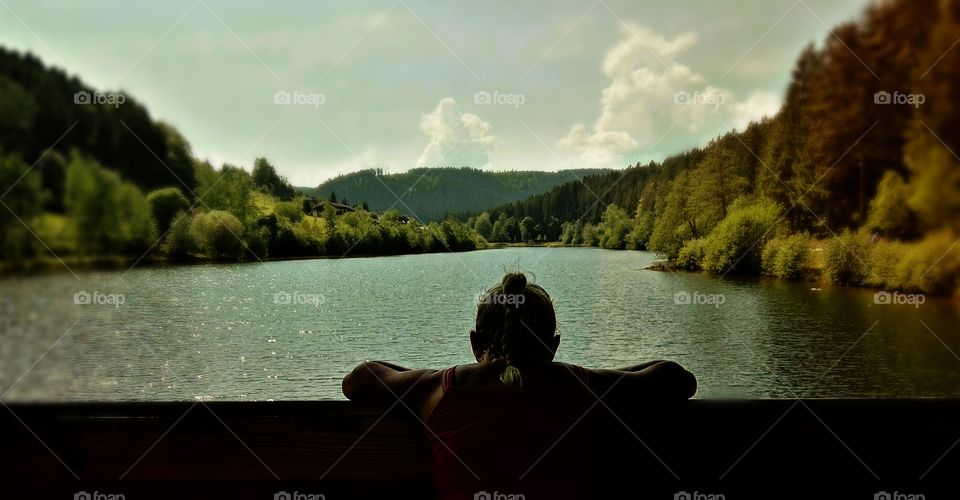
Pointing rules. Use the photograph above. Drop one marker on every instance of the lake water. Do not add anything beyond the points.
(231, 332)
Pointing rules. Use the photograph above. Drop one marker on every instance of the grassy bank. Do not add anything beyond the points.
(855, 259)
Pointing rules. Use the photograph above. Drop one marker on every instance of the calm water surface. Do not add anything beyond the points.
(226, 332)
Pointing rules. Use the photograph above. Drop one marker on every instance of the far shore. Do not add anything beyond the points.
(118, 262)
(114, 262)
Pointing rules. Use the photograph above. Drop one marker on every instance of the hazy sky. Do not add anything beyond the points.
(402, 83)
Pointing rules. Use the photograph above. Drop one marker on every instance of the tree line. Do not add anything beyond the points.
(229, 215)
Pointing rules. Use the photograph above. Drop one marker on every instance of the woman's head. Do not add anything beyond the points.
(515, 325)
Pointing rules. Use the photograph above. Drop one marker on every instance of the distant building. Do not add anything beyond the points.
(315, 207)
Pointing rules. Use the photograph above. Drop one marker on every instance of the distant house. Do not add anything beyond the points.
(315, 207)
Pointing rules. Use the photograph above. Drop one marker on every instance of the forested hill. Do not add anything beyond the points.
(587, 198)
(43, 108)
(431, 193)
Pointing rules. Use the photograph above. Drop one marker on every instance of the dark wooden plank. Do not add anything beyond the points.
(704, 442)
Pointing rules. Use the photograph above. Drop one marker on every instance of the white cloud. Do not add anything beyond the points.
(597, 147)
(649, 92)
(455, 138)
(756, 106)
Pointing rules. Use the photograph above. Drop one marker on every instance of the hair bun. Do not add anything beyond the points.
(514, 283)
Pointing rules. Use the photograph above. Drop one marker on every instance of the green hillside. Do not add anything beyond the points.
(431, 193)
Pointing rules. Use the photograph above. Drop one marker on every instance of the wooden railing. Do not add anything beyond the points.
(239, 450)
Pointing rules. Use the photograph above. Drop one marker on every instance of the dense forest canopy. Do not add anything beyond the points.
(42, 108)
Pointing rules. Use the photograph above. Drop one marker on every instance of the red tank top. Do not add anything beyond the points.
(539, 442)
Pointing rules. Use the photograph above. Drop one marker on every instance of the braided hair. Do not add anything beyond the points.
(516, 325)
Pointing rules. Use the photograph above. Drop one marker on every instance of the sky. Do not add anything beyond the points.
(325, 88)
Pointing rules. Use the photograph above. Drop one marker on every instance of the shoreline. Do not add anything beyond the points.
(816, 278)
(50, 264)
(69, 264)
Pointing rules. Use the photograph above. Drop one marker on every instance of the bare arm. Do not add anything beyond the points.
(379, 382)
(656, 380)
(643, 366)
(392, 365)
